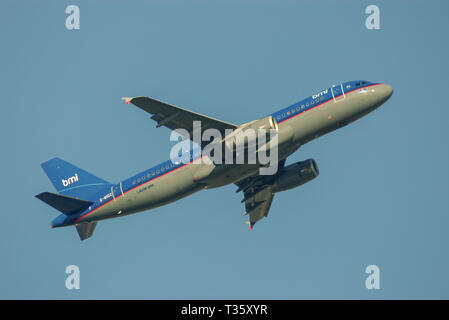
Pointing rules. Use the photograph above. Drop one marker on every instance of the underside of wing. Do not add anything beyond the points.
(258, 195)
(257, 206)
(174, 117)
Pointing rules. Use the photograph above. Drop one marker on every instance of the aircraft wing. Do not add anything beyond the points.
(258, 205)
(257, 195)
(174, 117)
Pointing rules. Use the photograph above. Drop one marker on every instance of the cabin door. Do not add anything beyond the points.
(338, 92)
(116, 190)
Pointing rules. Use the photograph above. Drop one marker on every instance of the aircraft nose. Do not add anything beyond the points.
(384, 91)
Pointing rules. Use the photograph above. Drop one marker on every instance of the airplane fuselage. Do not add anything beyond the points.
(169, 181)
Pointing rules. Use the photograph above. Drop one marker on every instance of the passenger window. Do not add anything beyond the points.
(162, 169)
(288, 113)
(167, 167)
(138, 180)
(312, 102)
(143, 178)
(279, 117)
(293, 110)
(172, 165)
(307, 104)
(283, 115)
(152, 173)
(157, 171)
(302, 107)
(297, 108)
(148, 175)
(134, 181)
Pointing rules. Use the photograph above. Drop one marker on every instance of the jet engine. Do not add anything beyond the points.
(247, 134)
(295, 175)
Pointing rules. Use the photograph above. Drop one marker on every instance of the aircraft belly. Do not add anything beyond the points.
(307, 124)
(106, 212)
(164, 190)
(169, 188)
(226, 174)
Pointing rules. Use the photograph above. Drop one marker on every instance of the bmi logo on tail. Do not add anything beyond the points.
(73, 179)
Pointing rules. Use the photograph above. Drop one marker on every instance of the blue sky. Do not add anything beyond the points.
(381, 197)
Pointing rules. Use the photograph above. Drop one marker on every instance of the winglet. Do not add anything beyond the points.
(127, 99)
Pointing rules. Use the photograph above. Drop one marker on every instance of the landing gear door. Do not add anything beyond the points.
(338, 92)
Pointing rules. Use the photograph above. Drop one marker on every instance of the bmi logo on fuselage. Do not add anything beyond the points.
(322, 93)
(73, 179)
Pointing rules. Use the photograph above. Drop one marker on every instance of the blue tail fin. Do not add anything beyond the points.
(72, 181)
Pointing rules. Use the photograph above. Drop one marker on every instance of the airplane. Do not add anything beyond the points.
(84, 199)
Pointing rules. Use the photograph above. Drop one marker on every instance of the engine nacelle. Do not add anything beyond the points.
(295, 175)
(247, 134)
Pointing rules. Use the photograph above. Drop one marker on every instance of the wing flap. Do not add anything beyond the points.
(258, 205)
(258, 195)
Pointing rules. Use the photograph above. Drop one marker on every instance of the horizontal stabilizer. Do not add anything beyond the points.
(65, 204)
(86, 229)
